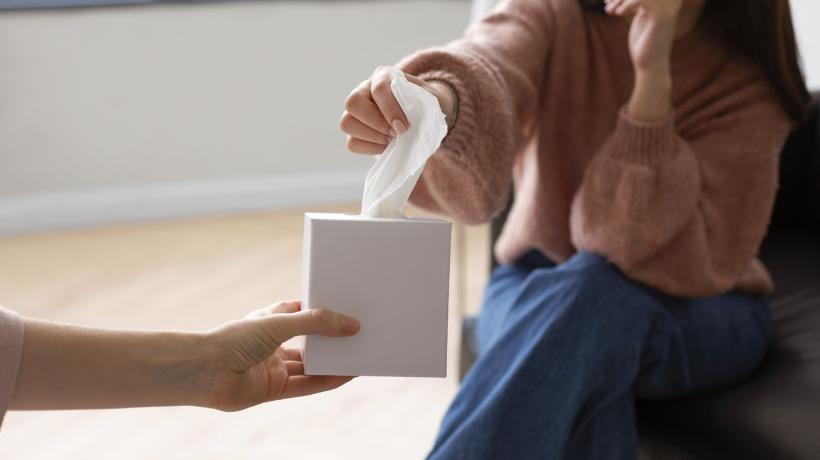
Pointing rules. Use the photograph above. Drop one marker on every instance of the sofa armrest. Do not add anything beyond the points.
(798, 198)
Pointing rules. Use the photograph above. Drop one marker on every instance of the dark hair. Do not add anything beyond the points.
(763, 31)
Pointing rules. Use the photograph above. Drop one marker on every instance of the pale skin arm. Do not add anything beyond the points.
(236, 365)
(654, 27)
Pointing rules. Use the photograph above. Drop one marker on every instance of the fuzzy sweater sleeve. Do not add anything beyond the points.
(496, 72)
(685, 214)
(11, 347)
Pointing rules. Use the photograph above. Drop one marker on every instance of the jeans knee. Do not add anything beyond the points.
(590, 287)
(589, 263)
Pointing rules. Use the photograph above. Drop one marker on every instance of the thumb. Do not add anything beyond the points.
(315, 321)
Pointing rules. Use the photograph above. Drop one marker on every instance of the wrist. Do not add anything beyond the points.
(657, 75)
(183, 370)
(446, 96)
(651, 95)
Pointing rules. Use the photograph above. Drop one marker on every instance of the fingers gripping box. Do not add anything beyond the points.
(392, 274)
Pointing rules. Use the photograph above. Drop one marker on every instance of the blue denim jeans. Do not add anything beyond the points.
(564, 351)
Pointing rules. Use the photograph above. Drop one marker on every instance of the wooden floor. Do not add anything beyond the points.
(193, 274)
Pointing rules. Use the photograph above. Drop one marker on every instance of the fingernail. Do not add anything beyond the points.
(399, 127)
(350, 325)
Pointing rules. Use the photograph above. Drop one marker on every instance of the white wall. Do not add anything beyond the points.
(122, 113)
(116, 114)
(806, 19)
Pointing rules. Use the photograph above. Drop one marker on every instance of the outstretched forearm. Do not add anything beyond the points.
(72, 367)
(233, 366)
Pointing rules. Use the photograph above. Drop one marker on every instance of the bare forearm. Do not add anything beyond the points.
(71, 367)
(447, 100)
(651, 95)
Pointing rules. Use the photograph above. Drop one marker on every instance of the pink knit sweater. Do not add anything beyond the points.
(681, 204)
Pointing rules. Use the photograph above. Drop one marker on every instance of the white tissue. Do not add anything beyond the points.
(391, 180)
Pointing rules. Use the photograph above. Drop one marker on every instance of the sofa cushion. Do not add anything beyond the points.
(776, 413)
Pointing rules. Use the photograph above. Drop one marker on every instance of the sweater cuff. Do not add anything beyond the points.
(442, 66)
(11, 350)
(643, 142)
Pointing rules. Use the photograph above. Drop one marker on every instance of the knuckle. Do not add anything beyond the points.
(276, 332)
(273, 308)
(320, 314)
(381, 87)
(352, 102)
(344, 122)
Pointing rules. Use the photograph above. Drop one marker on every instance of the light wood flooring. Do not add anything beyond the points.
(193, 274)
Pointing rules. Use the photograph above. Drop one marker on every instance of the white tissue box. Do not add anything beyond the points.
(393, 276)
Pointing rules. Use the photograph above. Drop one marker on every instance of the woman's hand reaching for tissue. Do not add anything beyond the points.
(373, 116)
(236, 365)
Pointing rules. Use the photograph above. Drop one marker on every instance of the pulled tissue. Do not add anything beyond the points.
(391, 180)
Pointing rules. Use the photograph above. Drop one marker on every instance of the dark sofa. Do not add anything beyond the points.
(776, 413)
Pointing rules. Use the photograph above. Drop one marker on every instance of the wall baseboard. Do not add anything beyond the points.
(47, 212)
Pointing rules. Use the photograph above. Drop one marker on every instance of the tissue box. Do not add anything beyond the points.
(393, 276)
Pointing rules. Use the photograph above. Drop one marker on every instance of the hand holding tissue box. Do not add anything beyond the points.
(386, 270)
